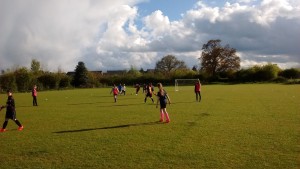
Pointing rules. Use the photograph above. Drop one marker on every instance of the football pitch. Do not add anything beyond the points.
(234, 126)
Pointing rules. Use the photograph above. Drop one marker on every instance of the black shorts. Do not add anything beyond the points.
(163, 104)
(10, 115)
(149, 95)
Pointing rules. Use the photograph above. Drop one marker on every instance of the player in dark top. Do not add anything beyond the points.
(144, 88)
(10, 112)
(120, 88)
(163, 98)
(137, 88)
(149, 92)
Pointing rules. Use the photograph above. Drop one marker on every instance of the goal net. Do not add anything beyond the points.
(179, 83)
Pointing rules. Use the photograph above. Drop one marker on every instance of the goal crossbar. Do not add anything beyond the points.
(178, 80)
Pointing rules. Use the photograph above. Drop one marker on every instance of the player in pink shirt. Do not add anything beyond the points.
(198, 90)
(115, 91)
(34, 95)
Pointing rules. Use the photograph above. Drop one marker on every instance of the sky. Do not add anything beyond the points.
(121, 34)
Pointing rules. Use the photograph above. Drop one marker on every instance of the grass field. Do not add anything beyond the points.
(234, 126)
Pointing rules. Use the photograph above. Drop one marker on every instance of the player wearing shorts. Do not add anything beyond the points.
(163, 99)
(115, 92)
(148, 93)
(137, 88)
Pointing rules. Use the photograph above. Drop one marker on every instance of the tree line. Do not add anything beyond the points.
(217, 64)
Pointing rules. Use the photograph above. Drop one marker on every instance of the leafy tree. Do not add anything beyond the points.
(142, 70)
(81, 75)
(246, 75)
(64, 82)
(48, 81)
(195, 68)
(270, 71)
(183, 74)
(169, 63)
(266, 72)
(8, 81)
(134, 72)
(36, 71)
(215, 58)
(258, 73)
(35, 66)
(22, 79)
(93, 79)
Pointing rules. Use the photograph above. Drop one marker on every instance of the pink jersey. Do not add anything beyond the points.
(197, 87)
(115, 90)
(34, 92)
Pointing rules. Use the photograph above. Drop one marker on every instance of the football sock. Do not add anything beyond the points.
(18, 123)
(4, 124)
(167, 116)
(161, 115)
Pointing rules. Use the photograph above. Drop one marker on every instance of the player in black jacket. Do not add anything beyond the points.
(10, 112)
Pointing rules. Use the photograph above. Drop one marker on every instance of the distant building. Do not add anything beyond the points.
(116, 72)
(150, 70)
(70, 73)
(95, 72)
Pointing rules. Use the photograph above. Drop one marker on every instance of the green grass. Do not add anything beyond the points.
(234, 126)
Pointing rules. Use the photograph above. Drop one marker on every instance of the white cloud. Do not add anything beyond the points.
(270, 10)
(107, 35)
(245, 1)
(57, 33)
(157, 23)
(269, 28)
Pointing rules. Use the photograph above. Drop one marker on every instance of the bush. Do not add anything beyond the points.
(8, 81)
(48, 81)
(22, 79)
(64, 82)
(290, 73)
(280, 79)
(269, 72)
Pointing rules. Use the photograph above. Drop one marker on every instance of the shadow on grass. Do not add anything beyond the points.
(26, 106)
(184, 102)
(110, 127)
(126, 98)
(78, 104)
(108, 104)
(102, 96)
(121, 105)
(204, 114)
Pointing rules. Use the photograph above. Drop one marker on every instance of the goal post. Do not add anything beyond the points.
(184, 82)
